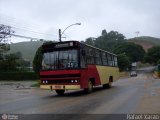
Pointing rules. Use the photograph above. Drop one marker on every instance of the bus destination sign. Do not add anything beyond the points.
(61, 45)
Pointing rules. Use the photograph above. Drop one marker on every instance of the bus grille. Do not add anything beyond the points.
(59, 81)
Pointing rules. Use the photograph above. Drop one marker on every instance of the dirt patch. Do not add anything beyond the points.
(149, 104)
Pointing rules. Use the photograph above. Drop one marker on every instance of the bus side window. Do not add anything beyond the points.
(83, 59)
(90, 55)
(104, 58)
(109, 59)
(98, 57)
(115, 60)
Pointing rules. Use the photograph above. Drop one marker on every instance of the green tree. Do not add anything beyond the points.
(107, 41)
(22, 63)
(104, 32)
(37, 61)
(9, 62)
(134, 52)
(5, 34)
(90, 41)
(123, 62)
(153, 55)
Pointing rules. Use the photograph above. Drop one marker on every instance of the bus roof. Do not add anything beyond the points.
(98, 49)
(53, 43)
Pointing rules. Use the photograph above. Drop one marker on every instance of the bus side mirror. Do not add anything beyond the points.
(83, 52)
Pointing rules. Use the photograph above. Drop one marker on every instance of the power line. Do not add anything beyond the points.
(22, 36)
(13, 21)
(33, 31)
(33, 38)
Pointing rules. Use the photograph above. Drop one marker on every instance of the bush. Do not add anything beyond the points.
(123, 62)
(18, 76)
(158, 62)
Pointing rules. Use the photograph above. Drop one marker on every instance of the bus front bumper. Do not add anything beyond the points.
(60, 87)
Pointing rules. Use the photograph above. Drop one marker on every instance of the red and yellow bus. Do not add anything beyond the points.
(72, 65)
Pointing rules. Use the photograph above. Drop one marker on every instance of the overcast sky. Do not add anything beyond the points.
(43, 18)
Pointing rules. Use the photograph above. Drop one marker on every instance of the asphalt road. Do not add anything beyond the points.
(139, 94)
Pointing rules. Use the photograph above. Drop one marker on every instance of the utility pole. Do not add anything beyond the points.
(60, 35)
(137, 33)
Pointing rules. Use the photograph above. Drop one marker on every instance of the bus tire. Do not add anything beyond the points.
(90, 87)
(60, 92)
(105, 86)
(109, 84)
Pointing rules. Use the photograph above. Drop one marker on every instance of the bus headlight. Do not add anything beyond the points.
(44, 81)
(72, 81)
(76, 81)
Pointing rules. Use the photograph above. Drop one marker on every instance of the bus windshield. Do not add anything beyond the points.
(63, 59)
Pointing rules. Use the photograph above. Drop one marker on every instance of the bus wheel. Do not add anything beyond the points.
(105, 86)
(90, 87)
(60, 92)
(108, 85)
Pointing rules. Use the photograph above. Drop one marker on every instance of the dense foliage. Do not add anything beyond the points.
(5, 32)
(37, 61)
(13, 62)
(123, 62)
(153, 55)
(107, 41)
(133, 51)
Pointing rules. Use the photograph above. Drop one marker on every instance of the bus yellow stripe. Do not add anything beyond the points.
(105, 72)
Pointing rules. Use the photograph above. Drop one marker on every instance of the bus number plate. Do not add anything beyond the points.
(57, 87)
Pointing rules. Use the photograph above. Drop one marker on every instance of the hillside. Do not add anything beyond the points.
(145, 41)
(28, 49)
